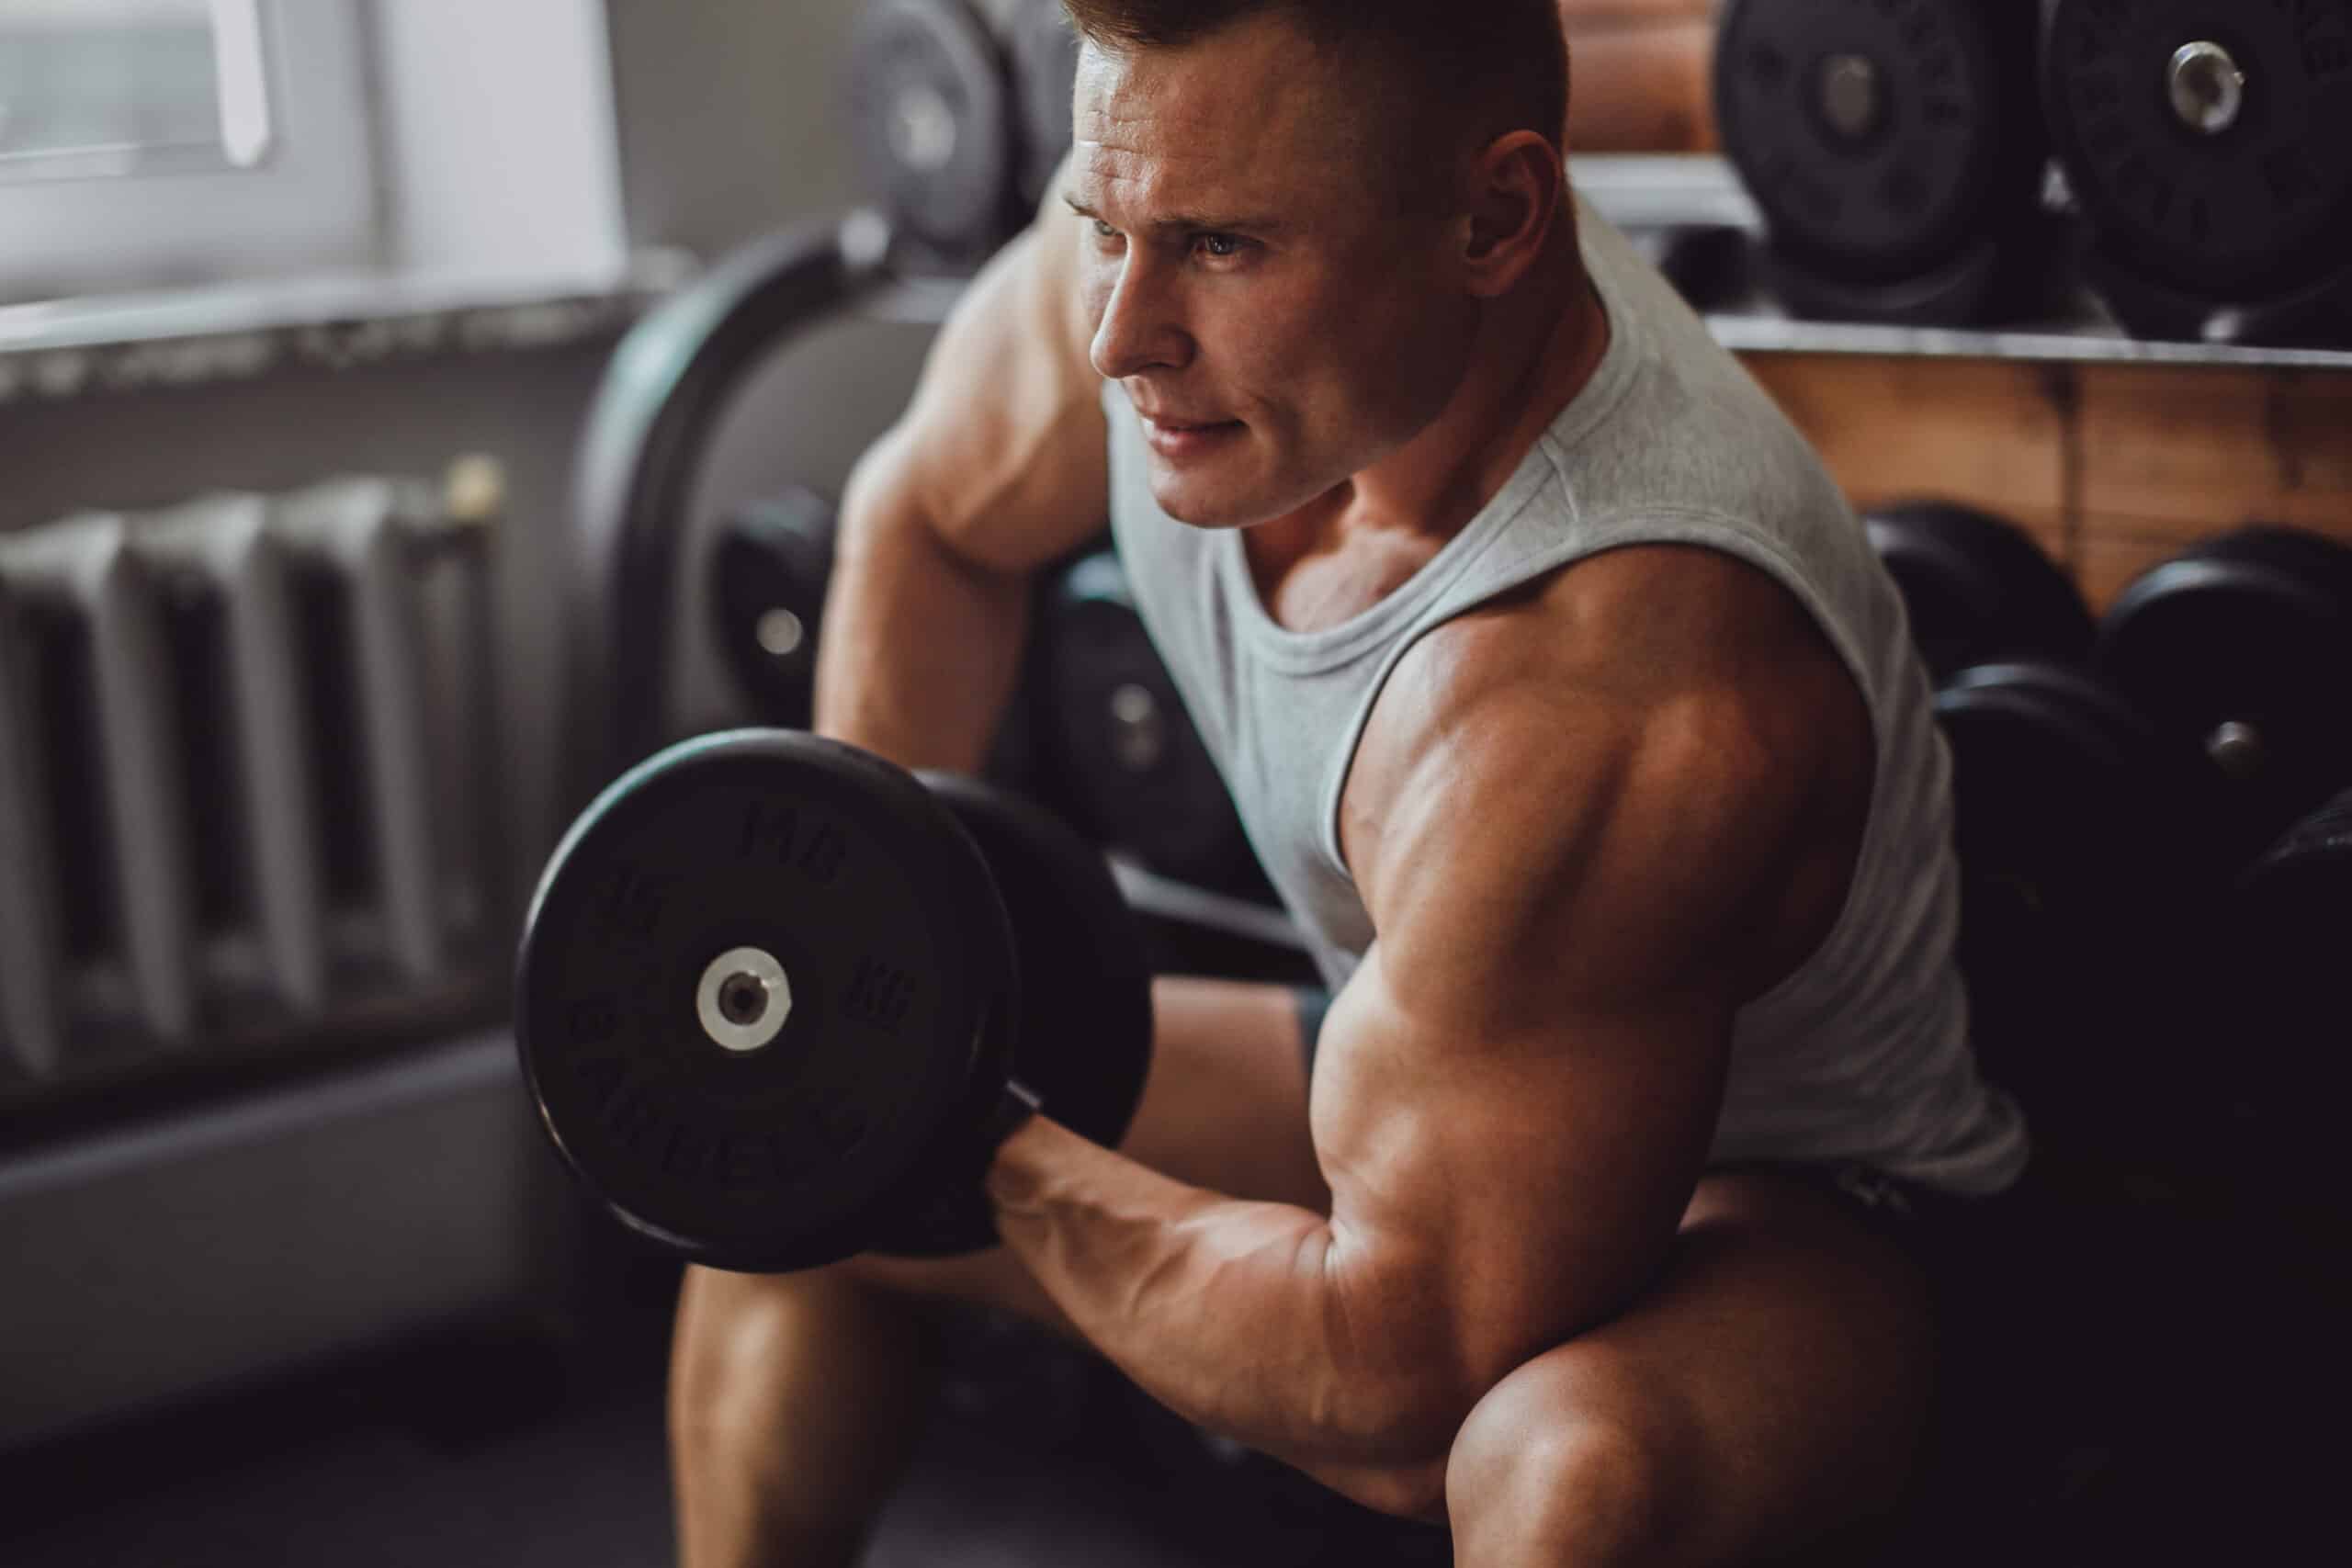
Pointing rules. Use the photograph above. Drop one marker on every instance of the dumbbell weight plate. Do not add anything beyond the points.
(2205, 139)
(1117, 735)
(758, 981)
(766, 583)
(2292, 928)
(1880, 135)
(2243, 647)
(1084, 1045)
(2081, 878)
(930, 120)
(1978, 591)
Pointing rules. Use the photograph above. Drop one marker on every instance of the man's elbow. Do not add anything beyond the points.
(1393, 1435)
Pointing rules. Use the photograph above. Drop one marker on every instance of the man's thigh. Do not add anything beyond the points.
(1772, 1390)
(1224, 1108)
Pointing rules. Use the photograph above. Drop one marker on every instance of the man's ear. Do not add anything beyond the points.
(1514, 190)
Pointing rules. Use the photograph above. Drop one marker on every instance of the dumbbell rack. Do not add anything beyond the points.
(1656, 197)
(2117, 452)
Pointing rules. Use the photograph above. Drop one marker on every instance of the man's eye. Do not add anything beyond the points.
(1221, 247)
(1103, 231)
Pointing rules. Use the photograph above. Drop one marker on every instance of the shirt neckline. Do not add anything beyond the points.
(1328, 646)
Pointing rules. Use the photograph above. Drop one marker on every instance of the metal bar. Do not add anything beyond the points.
(226, 541)
(86, 566)
(359, 526)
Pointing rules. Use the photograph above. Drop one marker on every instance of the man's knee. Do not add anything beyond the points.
(1538, 1477)
(743, 1340)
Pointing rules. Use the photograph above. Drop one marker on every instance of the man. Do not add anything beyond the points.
(1575, 721)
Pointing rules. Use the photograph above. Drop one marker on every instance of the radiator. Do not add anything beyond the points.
(245, 790)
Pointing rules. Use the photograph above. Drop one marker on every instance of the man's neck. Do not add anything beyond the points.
(1535, 351)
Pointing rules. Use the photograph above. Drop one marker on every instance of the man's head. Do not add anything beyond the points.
(1297, 214)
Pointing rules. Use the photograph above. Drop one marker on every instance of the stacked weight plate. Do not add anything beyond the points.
(1896, 150)
(2208, 145)
(959, 110)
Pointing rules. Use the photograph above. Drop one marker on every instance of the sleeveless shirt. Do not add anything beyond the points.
(1862, 1054)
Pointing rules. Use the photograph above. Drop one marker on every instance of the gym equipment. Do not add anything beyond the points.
(1129, 768)
(1043, 49)
(1896, 151)
(661, 401)
(2083, 902)
(1711, 265)
(2243, 647)
(2289, 1007)
(930, 114)
(767, 577)
(959, 113)
(2206, 142)
(1978, 590)
(775, 997)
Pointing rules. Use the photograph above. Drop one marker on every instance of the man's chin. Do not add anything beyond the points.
(1199, 507)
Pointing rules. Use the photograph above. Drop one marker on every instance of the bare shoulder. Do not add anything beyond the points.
(1004, 445)
(1656, 747)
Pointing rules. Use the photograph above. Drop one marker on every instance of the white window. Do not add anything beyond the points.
(151, 143)
(168, 144)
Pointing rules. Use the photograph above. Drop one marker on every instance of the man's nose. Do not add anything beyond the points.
(1140, 329)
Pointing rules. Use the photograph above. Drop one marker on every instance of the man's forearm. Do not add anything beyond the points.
(1250, 1319)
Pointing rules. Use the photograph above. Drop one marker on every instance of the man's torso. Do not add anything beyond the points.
(1286, 657)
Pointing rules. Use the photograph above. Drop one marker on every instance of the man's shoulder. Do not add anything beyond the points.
(1685, 666)
(1634, 628)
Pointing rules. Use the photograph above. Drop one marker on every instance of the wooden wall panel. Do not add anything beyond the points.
(1641, 75)
(2114, 468)
(2183, 454)
(1990, 433)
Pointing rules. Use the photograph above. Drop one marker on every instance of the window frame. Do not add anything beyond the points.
(311, 201)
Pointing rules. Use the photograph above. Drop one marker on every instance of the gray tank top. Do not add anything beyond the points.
(1861, 1056)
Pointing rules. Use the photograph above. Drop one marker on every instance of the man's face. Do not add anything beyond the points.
(1275, 312)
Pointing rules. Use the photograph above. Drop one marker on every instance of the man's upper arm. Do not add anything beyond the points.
(1003, 447)
(1570, 875)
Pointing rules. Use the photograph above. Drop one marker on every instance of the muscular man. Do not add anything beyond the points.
(1575, 721)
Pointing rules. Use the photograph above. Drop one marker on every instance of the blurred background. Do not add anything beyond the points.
(414, 411)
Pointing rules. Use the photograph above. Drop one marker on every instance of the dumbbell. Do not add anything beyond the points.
(2289, 1008)
(959, 112)
(766, 581)
(1895, 151)
(2086, 895)
(1114, 735)
(2243, 649)
(1977, 590)
(776, 995)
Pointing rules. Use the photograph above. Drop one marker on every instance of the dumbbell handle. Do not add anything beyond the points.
(1014, 1108)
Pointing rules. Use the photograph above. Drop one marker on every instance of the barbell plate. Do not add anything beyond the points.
(930, 120)
(871, 900)
(1879, 136)
(2241, 647)
(2206, 140)
(1977, 589)
(1084, 1046)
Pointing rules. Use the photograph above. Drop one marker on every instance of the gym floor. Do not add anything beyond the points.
(504, 1446)
(516, 1445)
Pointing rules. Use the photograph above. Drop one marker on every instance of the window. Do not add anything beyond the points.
(148, 143)
(173, 144)
(98, 87)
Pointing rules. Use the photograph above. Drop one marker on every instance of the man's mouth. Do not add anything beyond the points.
(1179, 438)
